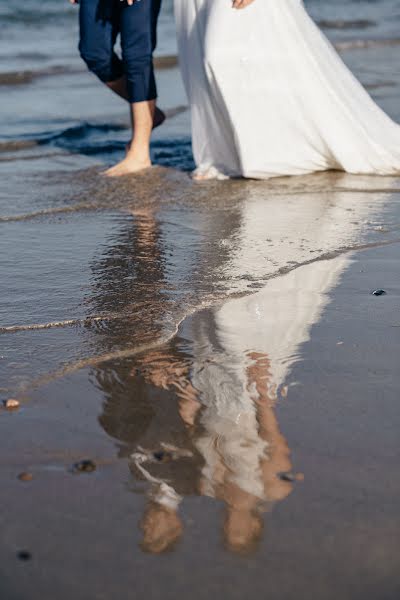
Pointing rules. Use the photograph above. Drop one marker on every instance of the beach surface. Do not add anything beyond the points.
(208, 386)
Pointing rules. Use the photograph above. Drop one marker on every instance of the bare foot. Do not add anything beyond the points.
(130, 164)
(196, 176)
(208, 173)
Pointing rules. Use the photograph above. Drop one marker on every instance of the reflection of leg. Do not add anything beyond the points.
(189, 405)
(161, 524)
(243, 523)
(278, 459)
(161, 527)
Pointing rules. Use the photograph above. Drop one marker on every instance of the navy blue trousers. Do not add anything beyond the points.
(101, 21)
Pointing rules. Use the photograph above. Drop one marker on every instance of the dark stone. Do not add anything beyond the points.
(162, 456)
(24, 555)
(84, 466)
(378, 293)
(25, 476)
(287, 477)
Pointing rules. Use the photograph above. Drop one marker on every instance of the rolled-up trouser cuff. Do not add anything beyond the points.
(141, 85)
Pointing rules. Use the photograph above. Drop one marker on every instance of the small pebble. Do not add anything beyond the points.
(287, 477)
(25, 476)
(378, 293)
(84, 466)
(11, 404)
(24, 555)
(290, 477)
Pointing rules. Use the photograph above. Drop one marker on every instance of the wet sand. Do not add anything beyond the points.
(150, 315)
(335, 534)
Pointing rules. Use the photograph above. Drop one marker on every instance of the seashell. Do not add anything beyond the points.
(11, 404)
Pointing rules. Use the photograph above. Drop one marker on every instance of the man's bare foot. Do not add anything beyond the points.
(138, 156)
(130, 164)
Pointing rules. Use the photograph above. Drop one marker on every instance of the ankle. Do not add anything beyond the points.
(139, 153)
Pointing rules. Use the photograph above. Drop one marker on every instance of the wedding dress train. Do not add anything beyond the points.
(270, 96)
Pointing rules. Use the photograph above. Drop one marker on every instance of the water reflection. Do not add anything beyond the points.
(239, 455)
(156, 266)
(127, 277)
(197, 416)
(227, 370)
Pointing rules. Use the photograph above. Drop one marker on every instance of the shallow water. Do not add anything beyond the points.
(96, 267)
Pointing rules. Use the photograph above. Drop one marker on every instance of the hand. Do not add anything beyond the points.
(241, 3)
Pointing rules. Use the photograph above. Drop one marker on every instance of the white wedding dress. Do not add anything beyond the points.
(270, 96)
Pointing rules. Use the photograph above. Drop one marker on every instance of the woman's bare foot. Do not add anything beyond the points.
(208, 173)
(203, 177)
(196, 176)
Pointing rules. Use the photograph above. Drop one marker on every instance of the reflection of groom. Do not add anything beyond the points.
(132, 77)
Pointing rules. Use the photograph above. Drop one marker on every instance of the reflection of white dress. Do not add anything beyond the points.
(274, 322)
(270, 96)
